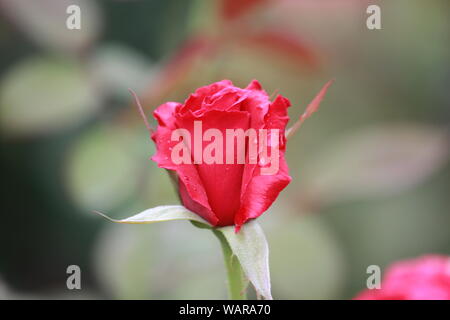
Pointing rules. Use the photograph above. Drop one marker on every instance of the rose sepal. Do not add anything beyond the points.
(249, 246)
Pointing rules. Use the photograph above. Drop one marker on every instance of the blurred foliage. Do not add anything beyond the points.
(370, 170)
(57, 89)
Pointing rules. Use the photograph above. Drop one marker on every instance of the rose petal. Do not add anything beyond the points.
(260, 191)
(221, 181)
(192, 186)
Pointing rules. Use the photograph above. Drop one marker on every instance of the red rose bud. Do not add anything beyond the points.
(226, 146)
(424, 278)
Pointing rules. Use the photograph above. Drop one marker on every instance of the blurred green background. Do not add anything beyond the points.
(370, 170)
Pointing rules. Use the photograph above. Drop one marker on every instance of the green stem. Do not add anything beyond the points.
(237, 284)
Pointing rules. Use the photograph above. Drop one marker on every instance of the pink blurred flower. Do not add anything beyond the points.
(423, 278)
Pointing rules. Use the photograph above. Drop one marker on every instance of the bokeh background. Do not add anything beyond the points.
(370, 170)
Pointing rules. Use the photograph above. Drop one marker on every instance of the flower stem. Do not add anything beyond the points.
(237, 284)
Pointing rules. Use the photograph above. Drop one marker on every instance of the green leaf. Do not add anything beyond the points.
(251, 248)
(159, 214)
(119, 68)
(103, 168)
(377, 160)
(44, 94)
